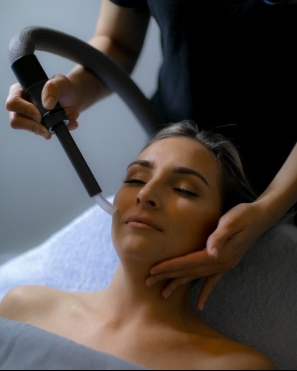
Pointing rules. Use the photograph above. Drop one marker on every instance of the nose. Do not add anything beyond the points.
(147, 197)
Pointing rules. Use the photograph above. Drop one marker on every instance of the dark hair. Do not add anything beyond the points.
(236, 188)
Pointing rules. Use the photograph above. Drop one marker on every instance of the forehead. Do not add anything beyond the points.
(182, 152)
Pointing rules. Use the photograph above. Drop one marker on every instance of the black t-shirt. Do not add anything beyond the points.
(231, 65)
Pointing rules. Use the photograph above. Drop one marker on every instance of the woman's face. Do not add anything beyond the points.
(169, 203)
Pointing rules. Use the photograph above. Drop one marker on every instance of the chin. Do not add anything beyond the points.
(137, 246)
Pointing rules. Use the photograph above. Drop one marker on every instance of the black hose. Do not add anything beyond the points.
(111, 74)
(32, 77)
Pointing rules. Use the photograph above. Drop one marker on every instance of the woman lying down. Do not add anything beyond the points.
(170, 202)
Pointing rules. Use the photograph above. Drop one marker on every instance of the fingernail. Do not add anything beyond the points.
(46, 135)
(214, 251)
(154, 271)
(150, 282)
(73, 127)
(167, 294)
(49, 102)
(200, 307)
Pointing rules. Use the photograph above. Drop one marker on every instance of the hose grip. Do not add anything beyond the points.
(32, 78)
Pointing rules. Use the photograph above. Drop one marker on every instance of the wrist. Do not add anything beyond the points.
(88, 88)
(271, 208)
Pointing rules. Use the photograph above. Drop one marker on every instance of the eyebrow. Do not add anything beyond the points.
(177, 170)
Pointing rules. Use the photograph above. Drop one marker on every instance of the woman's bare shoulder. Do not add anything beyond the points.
(254, 360)
(226, 353)
(242, 357)
(23, 302)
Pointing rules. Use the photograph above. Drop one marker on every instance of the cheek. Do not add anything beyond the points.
(123, 200)
(191, 229)
(122, 238)
(119, 203)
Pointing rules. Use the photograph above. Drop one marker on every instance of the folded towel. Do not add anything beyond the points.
(79, 257)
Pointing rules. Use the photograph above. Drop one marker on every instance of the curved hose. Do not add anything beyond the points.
(113, 76)
(32, 78)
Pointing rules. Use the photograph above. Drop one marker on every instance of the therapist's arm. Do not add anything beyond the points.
(281, 194)
(120, 33)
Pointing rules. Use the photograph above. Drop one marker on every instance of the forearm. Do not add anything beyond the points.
(120, 33)
(88, 87)
(281, 194)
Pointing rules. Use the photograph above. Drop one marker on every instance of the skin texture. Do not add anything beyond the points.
(156, 219)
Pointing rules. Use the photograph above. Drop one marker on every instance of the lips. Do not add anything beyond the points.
(143, 220)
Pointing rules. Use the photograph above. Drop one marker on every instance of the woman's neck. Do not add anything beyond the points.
(130, 299)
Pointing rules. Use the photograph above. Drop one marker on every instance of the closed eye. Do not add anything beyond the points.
(186, 192)
(180, 190)
(133, 181)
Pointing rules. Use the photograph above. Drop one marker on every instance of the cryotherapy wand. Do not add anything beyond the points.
(32, 78)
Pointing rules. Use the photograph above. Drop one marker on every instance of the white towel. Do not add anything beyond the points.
(79, 257)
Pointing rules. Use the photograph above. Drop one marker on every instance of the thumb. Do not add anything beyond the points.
(216, 241)
(49, 98)
(53, 90)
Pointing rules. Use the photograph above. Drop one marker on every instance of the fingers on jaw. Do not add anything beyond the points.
(208, 286)
(204, 294)
(173, 285)
(152, 280)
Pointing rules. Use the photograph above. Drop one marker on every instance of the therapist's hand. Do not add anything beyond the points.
(25, 116)
(237, 231)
